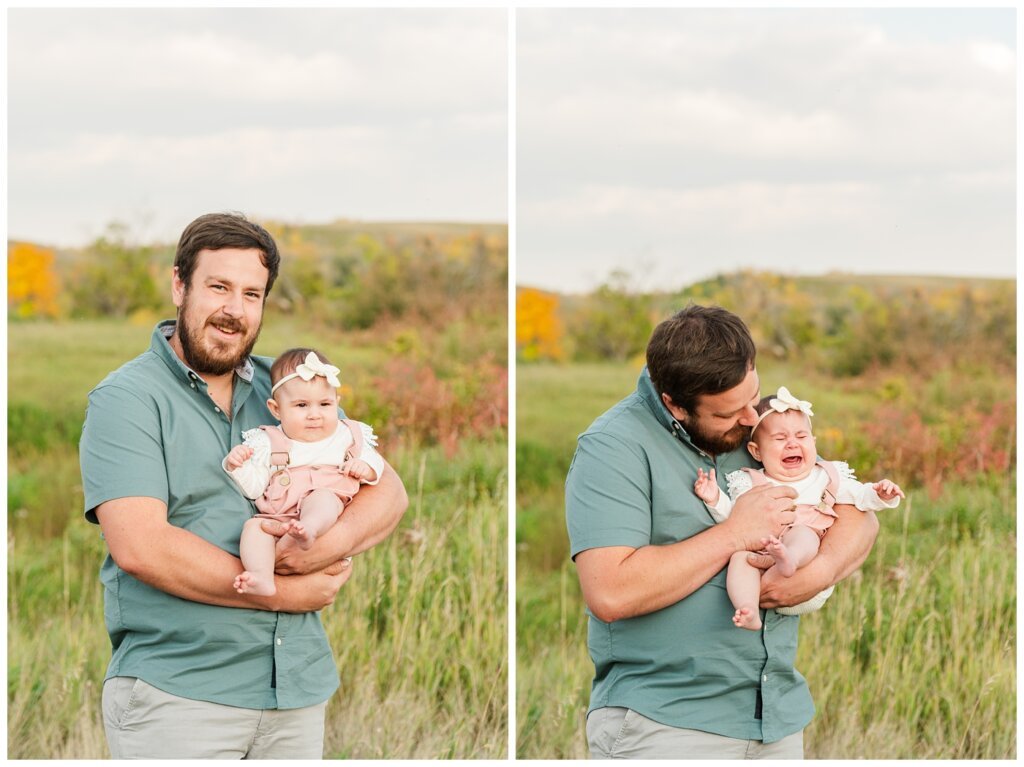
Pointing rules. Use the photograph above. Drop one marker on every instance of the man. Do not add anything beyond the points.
(199, 671)
(674, 678)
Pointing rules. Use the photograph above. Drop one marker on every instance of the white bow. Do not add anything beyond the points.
(784, 401)
(314, 367)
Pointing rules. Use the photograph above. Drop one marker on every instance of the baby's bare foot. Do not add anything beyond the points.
(780, 554)
(302, 536)
(251, 583)
(746, 618)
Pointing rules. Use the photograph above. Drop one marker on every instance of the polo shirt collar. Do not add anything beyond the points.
(160, 345)
(645, 388)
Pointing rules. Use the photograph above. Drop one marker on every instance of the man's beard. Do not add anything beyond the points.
(715, 444)
(207, 358)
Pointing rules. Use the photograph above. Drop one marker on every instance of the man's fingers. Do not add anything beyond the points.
(273, 527)
(760, 561)
(337, 568)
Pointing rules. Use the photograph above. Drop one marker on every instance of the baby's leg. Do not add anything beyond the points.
(798, 547)
(743, 582)
(257, 553)
(320, 510)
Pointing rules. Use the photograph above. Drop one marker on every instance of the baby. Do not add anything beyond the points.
(782, 441)
(302, 473)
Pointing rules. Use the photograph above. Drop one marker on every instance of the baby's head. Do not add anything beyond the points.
(782, 439)
(304, 395)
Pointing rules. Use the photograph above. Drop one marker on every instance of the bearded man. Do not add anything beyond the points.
(198, 670)
(674, 678)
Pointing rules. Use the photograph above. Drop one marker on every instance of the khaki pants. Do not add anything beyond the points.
(143, 722)
(621, 733)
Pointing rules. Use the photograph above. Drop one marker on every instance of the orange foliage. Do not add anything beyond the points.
(539, 330)
(31, 281)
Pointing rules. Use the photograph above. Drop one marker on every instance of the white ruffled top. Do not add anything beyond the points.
(809, 490)
(254, 475)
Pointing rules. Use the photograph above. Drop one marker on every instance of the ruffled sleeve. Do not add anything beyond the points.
(738, 482)
(369, 454)
(253, 475)
(860, 494)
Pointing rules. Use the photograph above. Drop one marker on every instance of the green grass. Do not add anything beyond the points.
(913, 657)
(419, 631)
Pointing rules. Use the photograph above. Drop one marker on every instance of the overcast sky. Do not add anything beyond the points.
(679, 143)
(154, 116)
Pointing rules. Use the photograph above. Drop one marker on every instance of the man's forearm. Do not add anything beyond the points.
(373, 514)
(620, 582)
(183, 564)
(843, 549)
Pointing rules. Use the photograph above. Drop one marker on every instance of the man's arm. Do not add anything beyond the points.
(146, 546)
(842, 551)
(373, 514)
(622, 582)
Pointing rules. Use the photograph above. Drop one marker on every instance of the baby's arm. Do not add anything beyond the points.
(369, 466)
(866, 496)
(722, 508)
(248, 464)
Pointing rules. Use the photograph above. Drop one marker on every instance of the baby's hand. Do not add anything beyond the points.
(361, 470)
(887, 490)
(239, 454)
(706, 487)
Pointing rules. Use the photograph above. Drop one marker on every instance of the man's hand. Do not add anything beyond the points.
(239, 454)
(760, 513)
(314, 591)
(843, 549)
(706, 487)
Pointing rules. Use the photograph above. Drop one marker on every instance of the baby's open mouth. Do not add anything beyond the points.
(793, 460)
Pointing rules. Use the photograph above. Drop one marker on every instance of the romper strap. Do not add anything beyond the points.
(829, 495)
(280, 445)
(356, 448)
(756, 476)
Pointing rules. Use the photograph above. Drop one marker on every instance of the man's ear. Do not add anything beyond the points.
(754, 450)
(677, 412)
(274, 409)
(178, 288)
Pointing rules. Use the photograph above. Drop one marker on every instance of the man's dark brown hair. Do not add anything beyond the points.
(699, 350)
(216, 231)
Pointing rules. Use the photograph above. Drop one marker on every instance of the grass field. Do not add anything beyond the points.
(419, 631)
(912, 658)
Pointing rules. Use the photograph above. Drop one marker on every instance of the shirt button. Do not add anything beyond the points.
(763, 679)
(192, 385)
(279, 640)
(217, 409)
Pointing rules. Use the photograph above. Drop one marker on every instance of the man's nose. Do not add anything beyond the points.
(749, 416)
(233, 305)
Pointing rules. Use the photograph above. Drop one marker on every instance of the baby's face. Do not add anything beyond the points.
(307, 410)
(783, 442)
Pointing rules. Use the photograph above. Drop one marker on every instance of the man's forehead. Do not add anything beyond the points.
(736, 398)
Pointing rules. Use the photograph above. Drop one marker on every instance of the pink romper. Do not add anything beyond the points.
(288, 487)
(819, 517)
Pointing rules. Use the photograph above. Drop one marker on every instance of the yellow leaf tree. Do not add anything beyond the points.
(539, 329)
(31, 281)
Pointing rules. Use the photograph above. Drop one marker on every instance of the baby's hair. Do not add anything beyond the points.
(288, 361)
(760, 407)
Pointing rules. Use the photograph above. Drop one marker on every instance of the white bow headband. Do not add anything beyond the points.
(311, 367)
(780, 403)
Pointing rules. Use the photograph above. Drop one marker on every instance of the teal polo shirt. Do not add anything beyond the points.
(686, 665)
(152, 429)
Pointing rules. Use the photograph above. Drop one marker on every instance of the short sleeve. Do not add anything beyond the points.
(607, 495)
(120, 451)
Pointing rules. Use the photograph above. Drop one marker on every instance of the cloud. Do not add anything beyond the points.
(753, 134)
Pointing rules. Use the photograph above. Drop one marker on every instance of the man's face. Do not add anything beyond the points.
(221, 311)
(720, 421)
